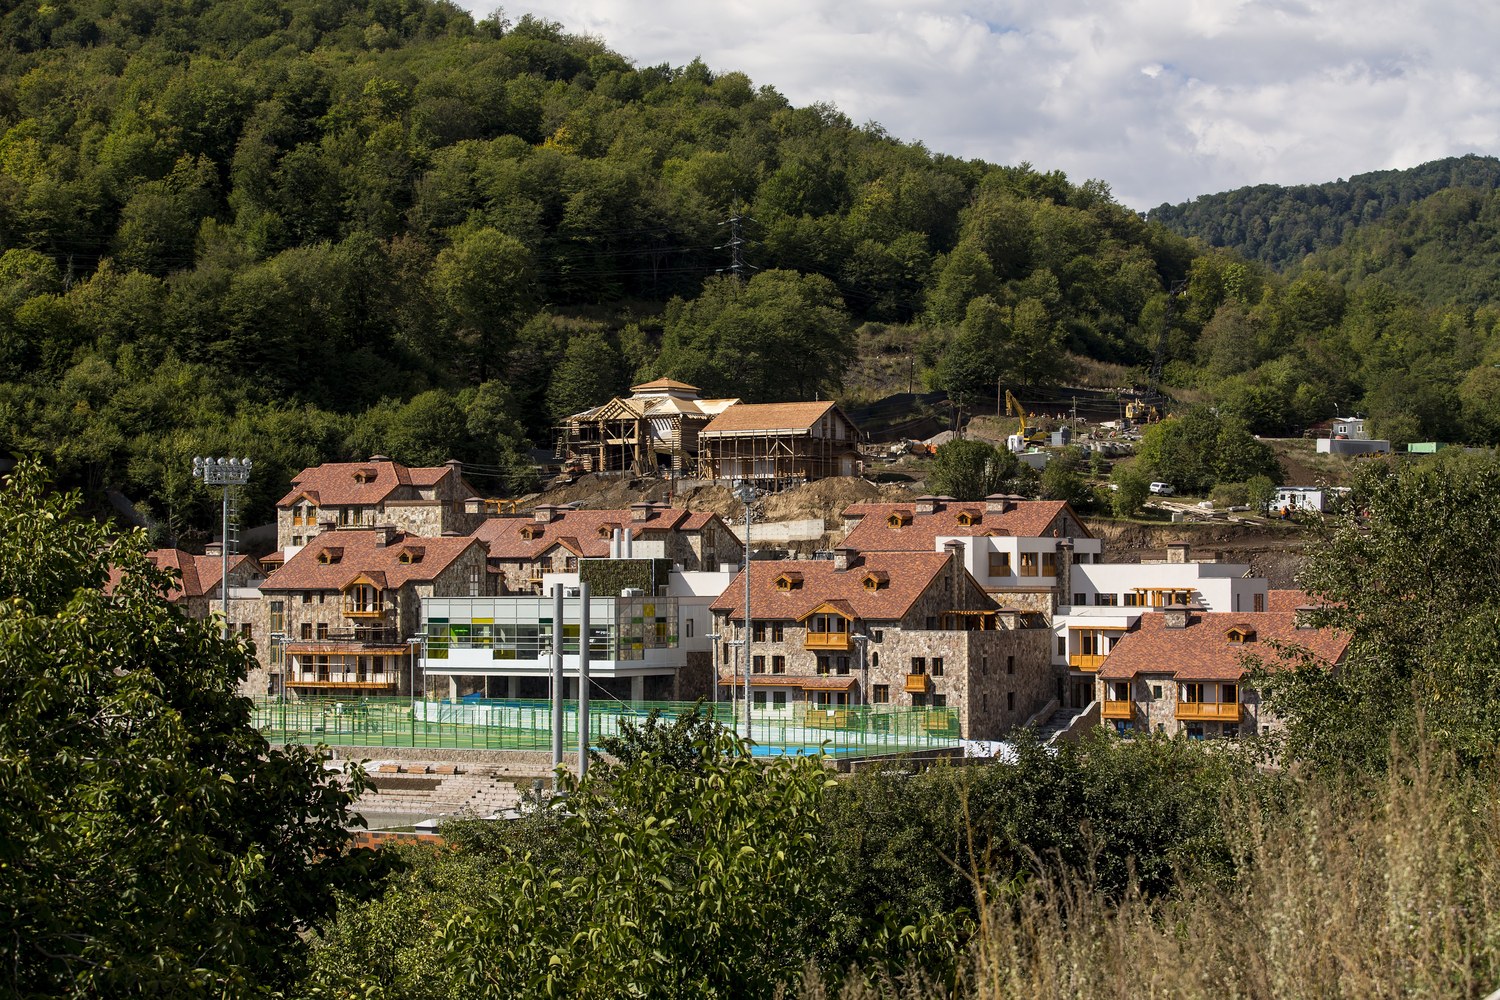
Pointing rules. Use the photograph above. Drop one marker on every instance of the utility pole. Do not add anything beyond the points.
(746, 493)
(583, 680)
(559, 685)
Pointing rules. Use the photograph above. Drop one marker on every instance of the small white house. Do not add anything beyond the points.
(1310, 498)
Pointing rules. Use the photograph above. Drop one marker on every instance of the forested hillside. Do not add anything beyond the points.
(1279, 226)
(318, 229)
(310, 230)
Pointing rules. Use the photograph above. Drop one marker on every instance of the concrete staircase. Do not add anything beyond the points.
(1055, 723)
(478, 791)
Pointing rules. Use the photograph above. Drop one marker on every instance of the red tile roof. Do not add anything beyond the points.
(199, 574)
(359, 555)
(1027, 519)
(910, 575)
(579, 531)
(337, 483)
(1288, 600)
(1202, 650)
(743, 417)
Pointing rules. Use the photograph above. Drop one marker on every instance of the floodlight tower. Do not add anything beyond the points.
(225, 472)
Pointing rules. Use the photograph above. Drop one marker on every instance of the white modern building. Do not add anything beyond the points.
(1108, 599)
(646, 643)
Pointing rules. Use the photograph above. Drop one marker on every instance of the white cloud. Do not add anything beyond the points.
(1163, 99)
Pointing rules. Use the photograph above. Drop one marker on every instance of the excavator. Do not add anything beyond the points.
(1028, 437)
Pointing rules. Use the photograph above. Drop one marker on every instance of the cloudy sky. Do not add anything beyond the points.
(1162, 99)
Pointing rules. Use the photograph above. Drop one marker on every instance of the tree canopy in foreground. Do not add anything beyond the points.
(151, 842)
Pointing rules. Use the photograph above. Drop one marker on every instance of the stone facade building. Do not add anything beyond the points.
(422, 501)
(1182, 670)
(894, 629)
(198, 593)
(552, 540)
(339, 615)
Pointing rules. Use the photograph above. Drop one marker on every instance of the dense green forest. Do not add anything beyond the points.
(318, 230)
(1279, 226)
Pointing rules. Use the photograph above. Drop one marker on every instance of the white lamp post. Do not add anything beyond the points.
(746, 494)
(225, 472)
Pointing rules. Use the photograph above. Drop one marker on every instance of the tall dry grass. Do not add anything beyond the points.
(1387, 890)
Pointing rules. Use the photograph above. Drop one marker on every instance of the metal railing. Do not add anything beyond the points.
(517, 724)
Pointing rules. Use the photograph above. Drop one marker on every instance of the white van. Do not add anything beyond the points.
(1162, 489)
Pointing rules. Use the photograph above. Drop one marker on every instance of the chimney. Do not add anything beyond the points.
(1010, 618)
(544, 513)
(926, 504)
(1177, 552)
(215, 549)
(844, 557)
(997, 503)
(385, 534)
(642, 511)
(1179, 615)
(380, 458)
(955, 550)
(455, 465)
(614, 543)
(1304, 613)
(474, 505)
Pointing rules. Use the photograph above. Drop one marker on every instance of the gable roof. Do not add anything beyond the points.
(1204, 651)
(910, 576)
(759, 417)
(199, 575)
(920, 532)
(579, 531)
(339, 484)
(665, 383)
(360, 556)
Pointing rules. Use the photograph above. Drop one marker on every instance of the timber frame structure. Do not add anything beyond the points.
(775, 446)
(654, 428)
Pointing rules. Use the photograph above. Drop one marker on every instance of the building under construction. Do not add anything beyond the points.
(653, 430)
(779, 445)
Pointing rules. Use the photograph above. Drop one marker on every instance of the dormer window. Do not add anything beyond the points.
(969, 518)
(411, 554)
(363, 476)
(529, 533)
(876, 579)
(789, 581)
(899, 519)
(330, 555)
(1241, 633)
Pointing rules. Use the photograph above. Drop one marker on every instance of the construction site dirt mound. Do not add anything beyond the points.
(825, 498)
(1274, 551)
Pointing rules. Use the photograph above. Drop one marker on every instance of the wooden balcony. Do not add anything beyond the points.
(336, 679)
(1118, 710)
(355, 610)
(835, 642)
(1078, 661)
(918, 684)
(1208, 711)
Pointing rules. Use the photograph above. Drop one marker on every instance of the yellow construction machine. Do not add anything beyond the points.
(1032, 437)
